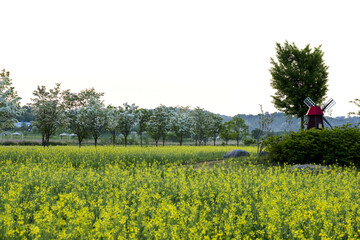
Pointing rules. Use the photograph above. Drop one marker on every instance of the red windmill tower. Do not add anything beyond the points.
(315, 115)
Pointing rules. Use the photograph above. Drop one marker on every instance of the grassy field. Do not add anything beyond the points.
(161, 193)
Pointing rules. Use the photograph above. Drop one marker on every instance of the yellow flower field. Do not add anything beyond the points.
(146, 193)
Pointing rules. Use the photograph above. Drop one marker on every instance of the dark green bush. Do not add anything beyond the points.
(249, 141)
(340, 145)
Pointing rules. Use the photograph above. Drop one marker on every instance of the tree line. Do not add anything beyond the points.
(85, 115)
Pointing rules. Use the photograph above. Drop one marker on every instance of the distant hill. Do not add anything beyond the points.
(279, 124)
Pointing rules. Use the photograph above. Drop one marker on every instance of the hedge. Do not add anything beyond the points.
(340, 145)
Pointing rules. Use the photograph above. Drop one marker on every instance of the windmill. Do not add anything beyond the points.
(315, 115)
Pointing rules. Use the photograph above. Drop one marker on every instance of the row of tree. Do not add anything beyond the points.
(85, 114)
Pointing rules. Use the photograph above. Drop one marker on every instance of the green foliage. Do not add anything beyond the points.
(340, 145)
(249, 141)
(299, 73)
(227, 132)
(26, 115)
(215, 126)
(240, 128)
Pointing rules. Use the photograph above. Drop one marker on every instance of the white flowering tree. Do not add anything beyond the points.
(143, 116)
(49, 111)
(112, 125)
(215, 126)
(158, 125)
(181, 123)
(93, 115)
(127, 119)
(200, 125)
(74, 102)
(9, 101)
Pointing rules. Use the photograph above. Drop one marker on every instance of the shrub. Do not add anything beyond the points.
(328, 146)
(249, 141)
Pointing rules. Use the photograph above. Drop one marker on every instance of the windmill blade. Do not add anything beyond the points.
(328, 105)
(327, 122)
(309, 102)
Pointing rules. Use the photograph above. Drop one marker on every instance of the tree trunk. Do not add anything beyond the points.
(237, 142)
(140, 139)
(113, 137)
(43, 140)
(163, 140)
(125, 136)
(47, 140)
(79, 140)
(156, 142)
(181, 140)
(95, 139)
(214, 141)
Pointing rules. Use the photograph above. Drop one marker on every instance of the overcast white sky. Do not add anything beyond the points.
(211, 54)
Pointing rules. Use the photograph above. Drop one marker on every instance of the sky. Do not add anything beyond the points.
(198, 53)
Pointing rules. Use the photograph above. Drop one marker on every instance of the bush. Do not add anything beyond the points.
(249, 141)
(328, 146)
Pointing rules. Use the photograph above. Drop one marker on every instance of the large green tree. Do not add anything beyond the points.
(296, 75)
(215, 126)
(227, 132)
(240, 128)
